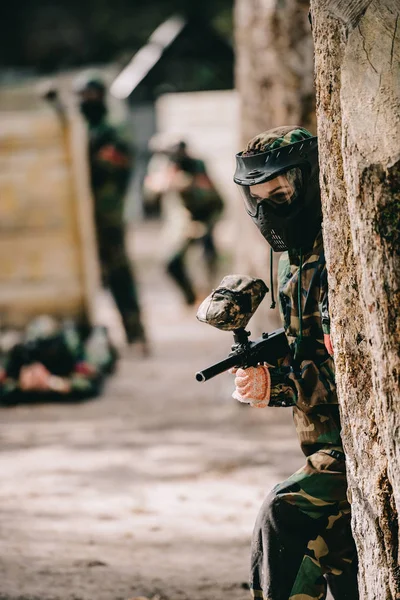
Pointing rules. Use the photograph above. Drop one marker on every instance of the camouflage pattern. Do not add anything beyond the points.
(302, 537)
(95, 358)
(233, 303)
(110, 160)
(110, 167)
(80, 356)
(201, 197)
(275, 138)
(191, 209)
(308, 384)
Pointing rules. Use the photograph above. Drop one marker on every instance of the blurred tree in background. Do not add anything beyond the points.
(274, 67)
(44, 36)
(275, 80)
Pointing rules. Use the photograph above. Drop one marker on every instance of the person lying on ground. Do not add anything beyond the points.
(54, 362)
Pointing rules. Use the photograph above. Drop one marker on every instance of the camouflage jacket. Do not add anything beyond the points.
(110, 160)
(201, 197)
(81, 359)
(308, 382)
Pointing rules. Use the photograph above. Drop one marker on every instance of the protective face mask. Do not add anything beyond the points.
(93, 111)
(277, 194)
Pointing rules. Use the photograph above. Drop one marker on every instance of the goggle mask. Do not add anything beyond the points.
(277, 194)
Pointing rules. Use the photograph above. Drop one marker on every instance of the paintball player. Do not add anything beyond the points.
(53, 361)
(302, 539)
(204, 206)
(191, 207)
(110, 161)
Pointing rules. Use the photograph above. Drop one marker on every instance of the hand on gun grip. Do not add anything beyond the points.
(253, 386)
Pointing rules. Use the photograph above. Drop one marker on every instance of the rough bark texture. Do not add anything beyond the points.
(274, 76)
(357, 55)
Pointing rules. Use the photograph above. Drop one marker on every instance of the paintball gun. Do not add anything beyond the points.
(230, 308)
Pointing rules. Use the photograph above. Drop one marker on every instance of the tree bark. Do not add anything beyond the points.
(274, 76)
(357, 59)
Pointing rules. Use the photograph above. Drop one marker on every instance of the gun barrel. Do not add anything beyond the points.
(200, 376)
(218, 368)
(268, 348)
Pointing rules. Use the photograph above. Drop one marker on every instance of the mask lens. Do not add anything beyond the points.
(250, 203)
(278, 193)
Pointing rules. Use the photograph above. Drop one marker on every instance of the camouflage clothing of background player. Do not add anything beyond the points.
(54, 362)
(302, 538)
(110, 161)
(193, 205)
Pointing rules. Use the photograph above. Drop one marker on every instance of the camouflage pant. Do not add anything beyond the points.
(302, 538)
(176, 267)
(118, 275)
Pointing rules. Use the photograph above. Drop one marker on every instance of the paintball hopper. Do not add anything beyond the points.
(230, 308)
(232, 304)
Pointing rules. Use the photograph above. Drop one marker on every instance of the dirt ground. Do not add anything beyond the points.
(151, 490)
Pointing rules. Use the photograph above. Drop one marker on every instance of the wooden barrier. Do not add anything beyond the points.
(48, 261)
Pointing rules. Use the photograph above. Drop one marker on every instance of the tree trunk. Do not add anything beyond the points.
(274, 76)
(357, 55)
(274, 68)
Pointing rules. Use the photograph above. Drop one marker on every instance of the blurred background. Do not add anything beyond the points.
(109, 113)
